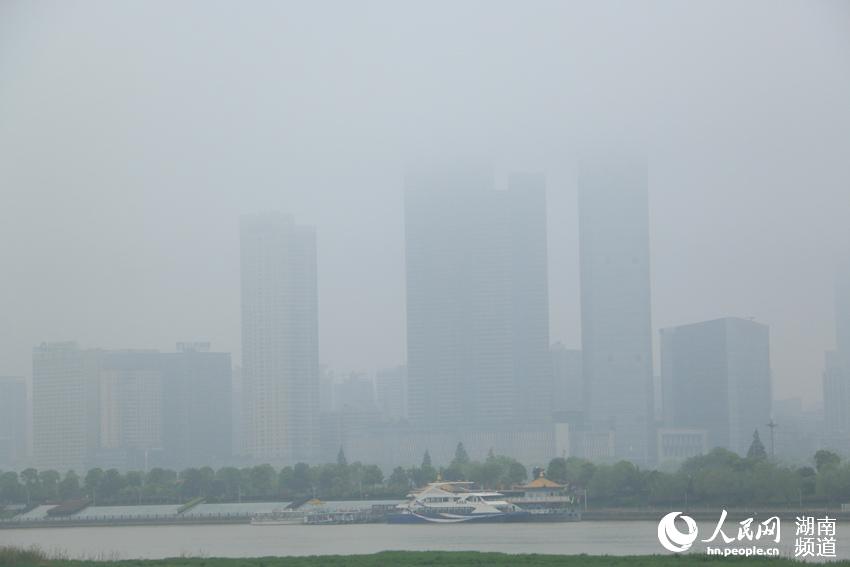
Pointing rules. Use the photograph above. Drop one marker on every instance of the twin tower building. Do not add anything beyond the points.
(478, 346)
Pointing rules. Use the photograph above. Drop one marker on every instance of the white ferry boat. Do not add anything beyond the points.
(455, 502)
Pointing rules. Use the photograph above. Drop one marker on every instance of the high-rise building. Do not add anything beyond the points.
(529, 282)
(172, 409)
(131, 400)
(280, 345)
(197, 427)
(842, 311)
(477, 298)
(835, 396)
(719, 379)
(118, 408)
(615, 306)
(13, 421)
(567, 384)
(798, 430)
(238, 414)
(65, 406)
(836, 376)
(391, 392)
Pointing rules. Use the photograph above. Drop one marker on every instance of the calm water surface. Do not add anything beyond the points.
(616, 538)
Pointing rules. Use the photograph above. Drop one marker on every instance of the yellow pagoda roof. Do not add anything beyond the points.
(542, 482)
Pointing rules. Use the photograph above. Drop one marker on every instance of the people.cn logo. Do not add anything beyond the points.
(670, 536)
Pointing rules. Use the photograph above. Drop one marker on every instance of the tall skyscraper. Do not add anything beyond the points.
(13, 421)
(842, 311)
(719, 378)
(615, 305)
(280, 345)
(836, 397)
(836, 376)
(529, 282)
(567, 383)
(65, 399)
(477, 298)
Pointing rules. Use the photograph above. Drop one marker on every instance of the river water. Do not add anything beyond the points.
(606, 537)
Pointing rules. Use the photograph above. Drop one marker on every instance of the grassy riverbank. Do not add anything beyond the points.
(10, 557)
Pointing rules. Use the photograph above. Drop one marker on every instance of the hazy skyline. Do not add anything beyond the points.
(132, 136)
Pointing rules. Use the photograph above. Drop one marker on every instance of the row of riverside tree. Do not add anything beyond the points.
(340, 480)
(719, 478)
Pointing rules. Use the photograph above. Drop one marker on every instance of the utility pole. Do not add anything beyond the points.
(772, 425)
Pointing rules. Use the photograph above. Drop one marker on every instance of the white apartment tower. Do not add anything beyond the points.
(280, 348)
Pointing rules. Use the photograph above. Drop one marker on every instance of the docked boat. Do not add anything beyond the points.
(455, 502)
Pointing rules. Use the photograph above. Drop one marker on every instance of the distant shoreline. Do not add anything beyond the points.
(598, 515)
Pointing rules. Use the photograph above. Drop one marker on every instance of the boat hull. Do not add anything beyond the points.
(439, 518)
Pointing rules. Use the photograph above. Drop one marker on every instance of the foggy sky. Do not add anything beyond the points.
(132, 135)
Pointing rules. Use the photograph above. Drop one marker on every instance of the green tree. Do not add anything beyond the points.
(285, 481)
(372, 476)
(92, 483)
(756, 451)
(263, 480)
(557, 470)
(461, 456)
(808, 481)
(399, 479)
(161, 486)
(327, 480)
(516, 473)
(111, 485)
(191, 482)
(826, 459)
(69, 487)
(29, 477)
(302, 483)
(49, 481)
(11, 490)
(230, 477)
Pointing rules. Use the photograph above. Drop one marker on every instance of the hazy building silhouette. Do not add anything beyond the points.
(836, 375)
(130, 406)
(391, 392)
(354, 391)
(197, 406)
(166, 409)
(798, 430)
(842, 311)
(65, 406)
(719, 379)
(615, 307)
(477, 299)
(130, 409)
(835, 395)
(677, 445)
(326, 389)
(567, 383)
(529, 282)
(13, 421)
(238, 413)
(280, 338)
